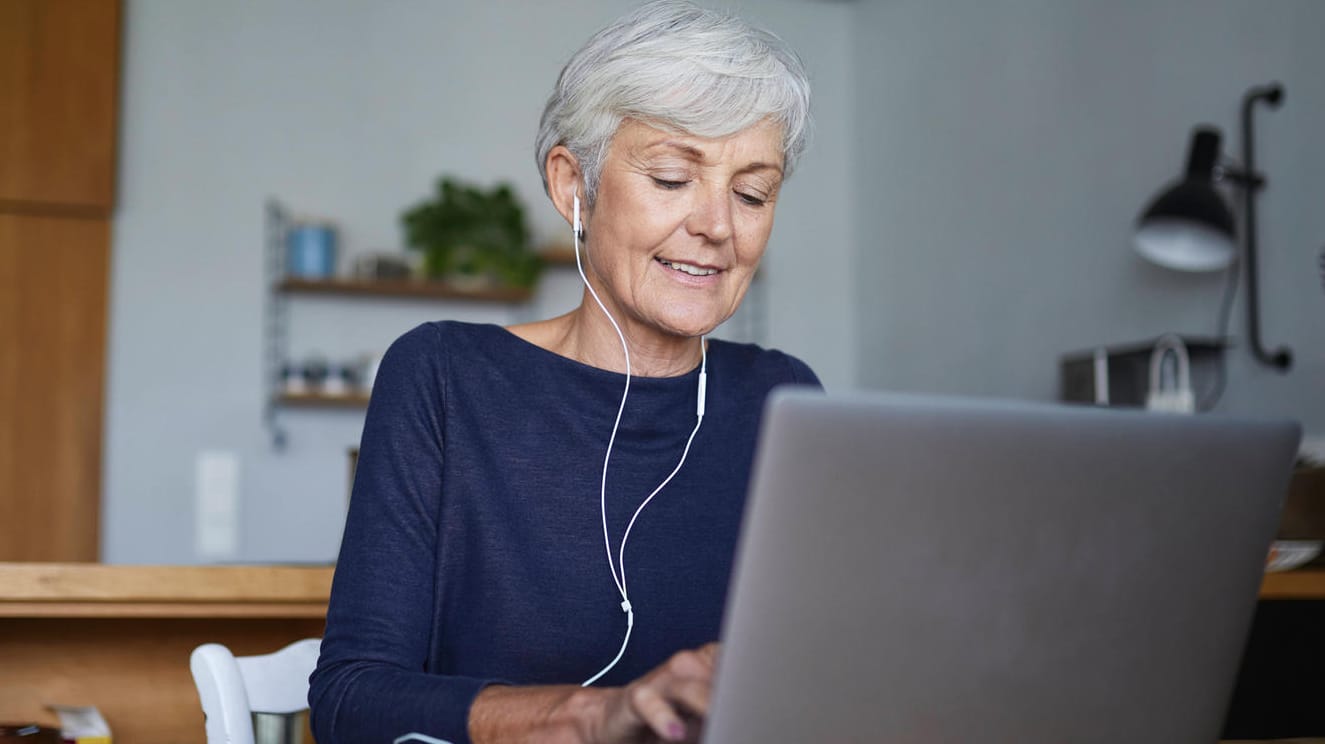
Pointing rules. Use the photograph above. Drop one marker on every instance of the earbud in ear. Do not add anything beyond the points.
(578, 226)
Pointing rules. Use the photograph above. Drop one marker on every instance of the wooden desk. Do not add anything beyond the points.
(119, 637)
(1304, 584)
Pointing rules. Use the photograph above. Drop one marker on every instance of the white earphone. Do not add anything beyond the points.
(618, 565)
(578, 227)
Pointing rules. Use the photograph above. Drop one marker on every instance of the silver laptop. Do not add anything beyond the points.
(942, 570)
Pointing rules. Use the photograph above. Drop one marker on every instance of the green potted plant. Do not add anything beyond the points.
(470, 236)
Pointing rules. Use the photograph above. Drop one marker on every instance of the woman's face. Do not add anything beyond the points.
(680, 223)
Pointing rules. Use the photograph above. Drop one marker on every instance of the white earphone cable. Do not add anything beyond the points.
(602, 489)
(620, 580)
(699, 419)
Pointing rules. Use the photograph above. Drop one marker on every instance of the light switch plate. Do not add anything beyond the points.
(216, 507)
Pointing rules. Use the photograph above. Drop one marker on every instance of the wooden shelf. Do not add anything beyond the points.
(98, 590)
(558, 255)
(402, 288)
(1301, 584)
(322, 400)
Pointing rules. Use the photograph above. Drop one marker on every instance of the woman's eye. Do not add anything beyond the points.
(663, 183)
(752, 199)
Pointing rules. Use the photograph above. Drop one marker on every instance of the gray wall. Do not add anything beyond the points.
(962, 219)
(1003, 151)
(350, 110)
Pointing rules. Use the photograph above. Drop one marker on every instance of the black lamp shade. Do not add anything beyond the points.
(1189, 226)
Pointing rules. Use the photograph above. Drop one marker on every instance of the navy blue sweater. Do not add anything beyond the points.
(473, 550)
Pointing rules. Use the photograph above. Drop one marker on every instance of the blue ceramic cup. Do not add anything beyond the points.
(311, 251)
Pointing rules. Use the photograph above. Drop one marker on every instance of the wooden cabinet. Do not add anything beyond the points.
(59, 71)
(119, 637)
(52, 345)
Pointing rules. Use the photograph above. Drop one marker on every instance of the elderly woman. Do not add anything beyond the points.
(544, 516)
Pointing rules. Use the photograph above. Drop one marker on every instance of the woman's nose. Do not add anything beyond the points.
(711, 216)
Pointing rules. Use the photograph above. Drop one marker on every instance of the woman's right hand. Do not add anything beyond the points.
(668, 704)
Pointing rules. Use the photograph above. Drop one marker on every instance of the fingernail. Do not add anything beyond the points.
(676, 731)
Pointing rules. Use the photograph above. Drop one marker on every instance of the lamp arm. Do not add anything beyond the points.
(1272, 94)
(1235, 174)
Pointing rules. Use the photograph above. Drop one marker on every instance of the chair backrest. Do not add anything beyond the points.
(232, 688)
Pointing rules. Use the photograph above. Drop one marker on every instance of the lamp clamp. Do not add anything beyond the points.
(1235, 174)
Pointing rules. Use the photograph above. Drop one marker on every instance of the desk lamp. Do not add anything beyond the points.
(1189, 226)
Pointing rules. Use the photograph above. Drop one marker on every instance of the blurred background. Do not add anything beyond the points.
(962, 223)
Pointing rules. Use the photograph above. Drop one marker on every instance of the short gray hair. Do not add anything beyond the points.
(674, 65)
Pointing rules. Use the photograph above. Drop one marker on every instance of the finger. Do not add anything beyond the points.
(658, 714)
(690, 664)
(691, 694)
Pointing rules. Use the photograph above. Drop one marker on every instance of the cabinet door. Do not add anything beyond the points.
(59, 62)
(52, 350)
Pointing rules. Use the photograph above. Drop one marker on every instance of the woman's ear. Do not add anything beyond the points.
(564, 181)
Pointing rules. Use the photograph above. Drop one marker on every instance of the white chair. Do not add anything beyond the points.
(233, 688)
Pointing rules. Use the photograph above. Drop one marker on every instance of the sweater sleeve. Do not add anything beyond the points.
(801, 374)
(370, 684)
